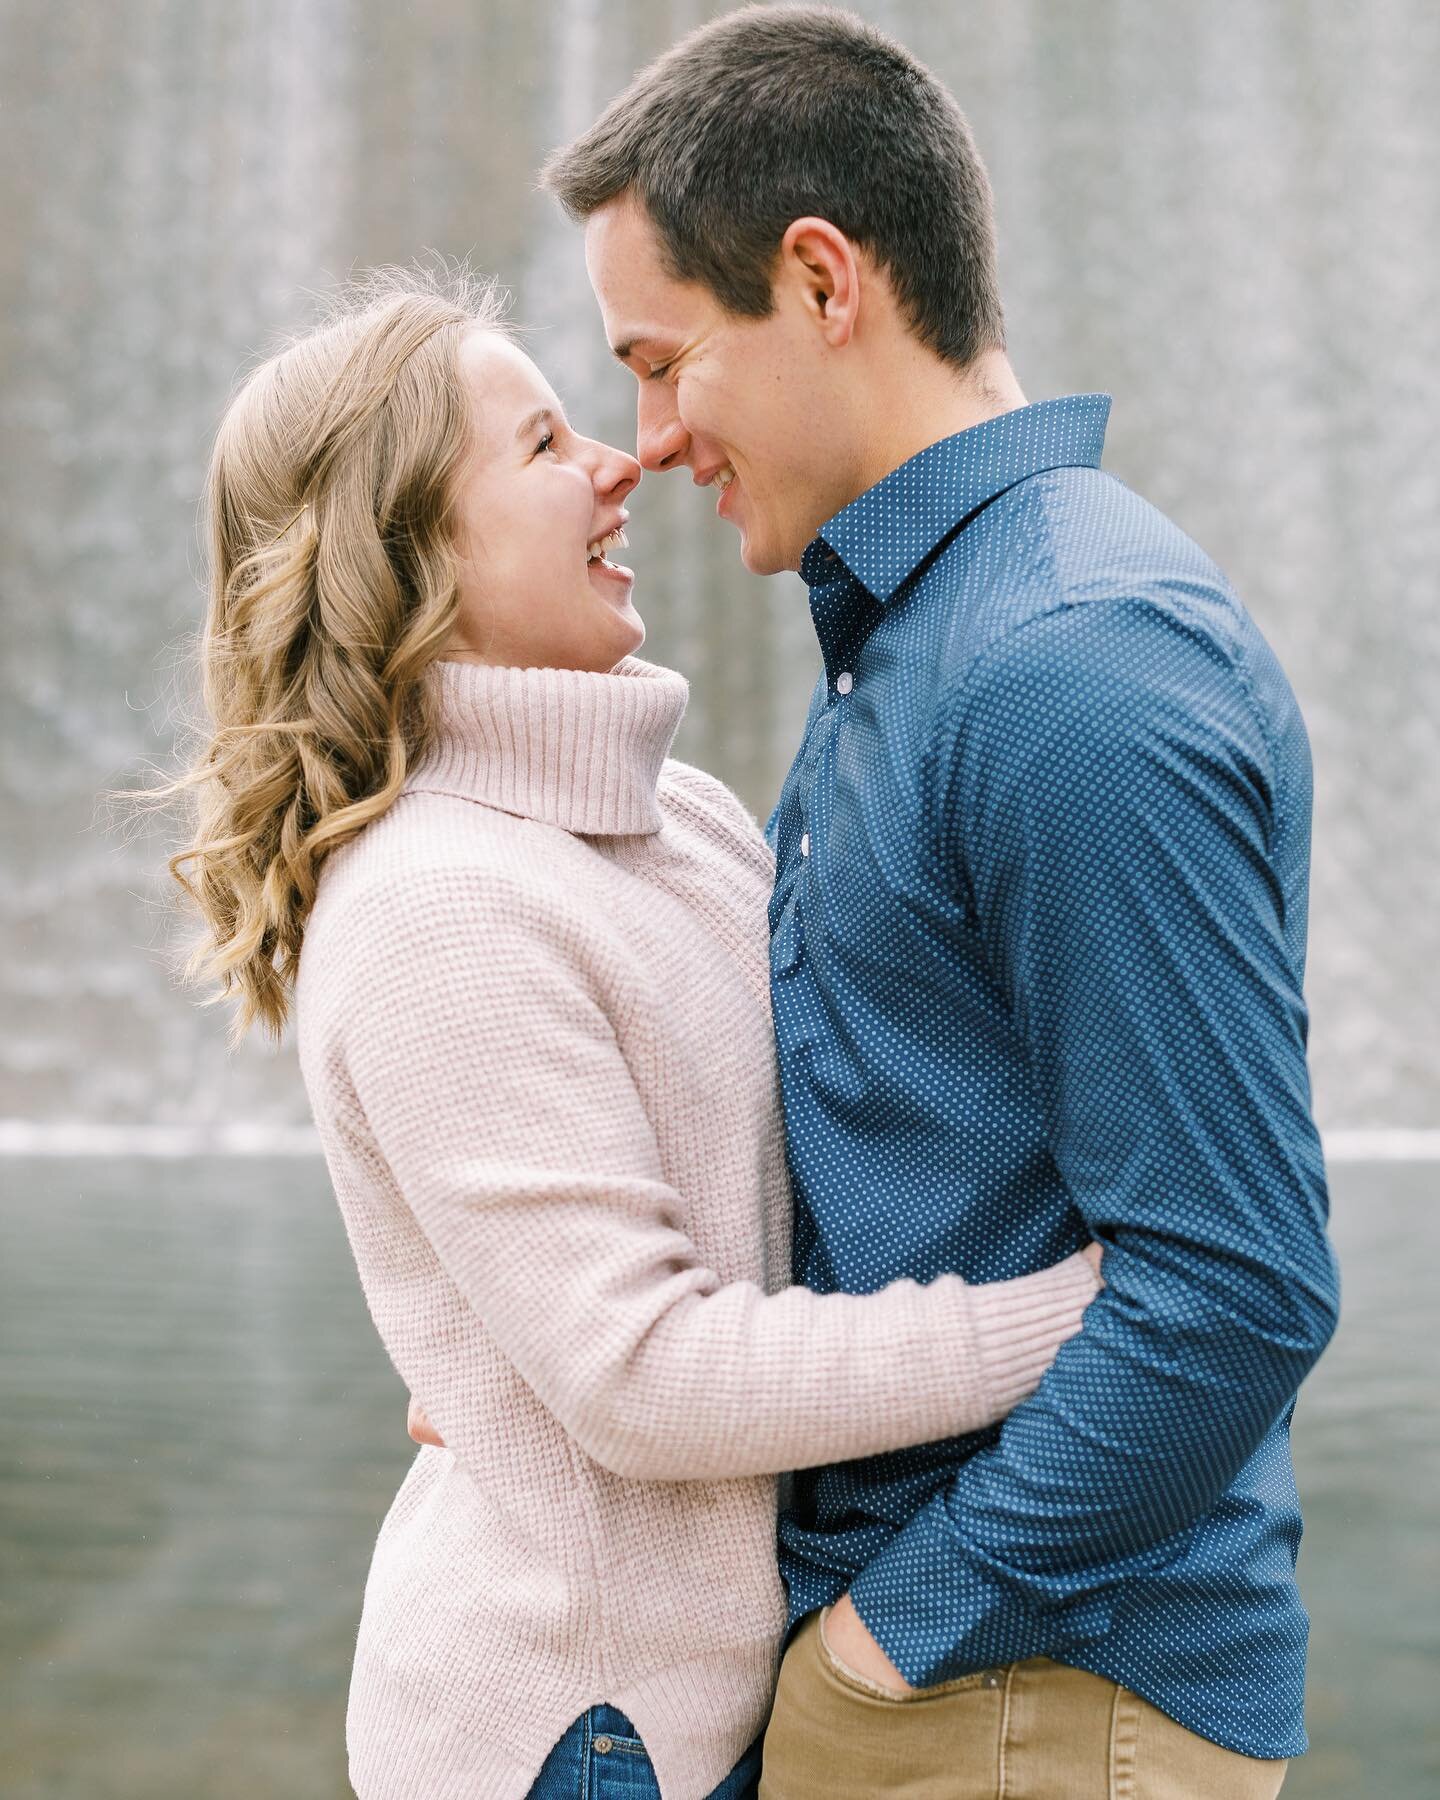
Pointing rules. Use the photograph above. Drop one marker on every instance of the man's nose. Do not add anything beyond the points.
(660, 437)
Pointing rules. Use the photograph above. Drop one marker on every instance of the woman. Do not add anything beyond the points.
(533, 1022)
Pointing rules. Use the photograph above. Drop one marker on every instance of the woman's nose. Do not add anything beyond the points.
(618, 473)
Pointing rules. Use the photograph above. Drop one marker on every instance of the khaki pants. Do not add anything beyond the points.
(1034, 1730)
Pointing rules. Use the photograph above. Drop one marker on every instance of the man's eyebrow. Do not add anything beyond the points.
(542, 415)
(622, 352)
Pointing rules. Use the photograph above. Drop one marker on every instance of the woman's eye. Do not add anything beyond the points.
(545, 442)
(656, 374)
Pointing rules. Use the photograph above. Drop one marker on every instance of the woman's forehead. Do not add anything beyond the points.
(506, 386)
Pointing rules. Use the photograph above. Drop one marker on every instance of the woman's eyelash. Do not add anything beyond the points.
(655, 374)
(545, 442)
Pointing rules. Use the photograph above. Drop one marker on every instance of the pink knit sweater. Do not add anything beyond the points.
(533, 1020)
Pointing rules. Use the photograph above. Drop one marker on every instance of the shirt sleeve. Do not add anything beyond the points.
(1111, 810)
(485, 1064)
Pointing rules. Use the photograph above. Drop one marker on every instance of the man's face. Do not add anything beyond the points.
(750, 406)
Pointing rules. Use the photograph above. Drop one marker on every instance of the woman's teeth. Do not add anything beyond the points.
(617, 540)
(722, 478)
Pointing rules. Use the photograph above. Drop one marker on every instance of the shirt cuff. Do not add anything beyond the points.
(937, 1610)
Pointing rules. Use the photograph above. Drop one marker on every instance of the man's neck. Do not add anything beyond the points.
(921, 400)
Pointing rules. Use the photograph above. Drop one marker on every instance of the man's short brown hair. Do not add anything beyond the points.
(768, 115)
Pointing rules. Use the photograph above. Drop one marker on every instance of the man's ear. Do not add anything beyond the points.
(819, 264)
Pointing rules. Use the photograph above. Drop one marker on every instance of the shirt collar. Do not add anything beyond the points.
(883, 536)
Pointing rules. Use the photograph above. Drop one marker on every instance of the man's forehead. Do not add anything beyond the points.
(629, 280)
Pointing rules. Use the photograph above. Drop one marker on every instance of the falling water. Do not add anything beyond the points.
(1225, 216)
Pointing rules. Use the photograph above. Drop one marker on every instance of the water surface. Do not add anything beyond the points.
(200, 1433)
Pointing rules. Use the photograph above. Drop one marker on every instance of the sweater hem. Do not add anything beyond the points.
(407, 1744)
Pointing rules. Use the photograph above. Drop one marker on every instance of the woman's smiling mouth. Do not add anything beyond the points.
(598, 563)
(615, 540)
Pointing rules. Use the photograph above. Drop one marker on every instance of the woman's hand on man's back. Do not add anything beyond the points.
(419, 1426)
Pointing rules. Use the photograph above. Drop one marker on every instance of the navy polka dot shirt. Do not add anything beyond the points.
(1038, 938)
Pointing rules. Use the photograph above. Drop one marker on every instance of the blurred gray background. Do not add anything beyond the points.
(1226, 215)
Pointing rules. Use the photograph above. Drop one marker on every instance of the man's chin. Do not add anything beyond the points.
(763, 559)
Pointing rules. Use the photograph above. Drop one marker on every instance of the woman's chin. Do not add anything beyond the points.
(637, 636)
(619, 637)
(617, 631)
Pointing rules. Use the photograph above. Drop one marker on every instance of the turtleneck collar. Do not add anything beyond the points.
(564, 746)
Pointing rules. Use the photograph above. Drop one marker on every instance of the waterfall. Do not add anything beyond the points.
(1227, 217)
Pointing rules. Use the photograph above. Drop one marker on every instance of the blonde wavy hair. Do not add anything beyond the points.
(329, 510)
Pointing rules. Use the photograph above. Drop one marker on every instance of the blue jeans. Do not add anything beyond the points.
(601, 1758)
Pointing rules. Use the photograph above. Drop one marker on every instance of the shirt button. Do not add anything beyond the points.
(805, 843)
(844, 683)
(604, 1745)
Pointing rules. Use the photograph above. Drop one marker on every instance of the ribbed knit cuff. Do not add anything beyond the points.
(1020, 1324)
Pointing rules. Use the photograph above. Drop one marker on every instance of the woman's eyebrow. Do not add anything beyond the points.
(543, 415)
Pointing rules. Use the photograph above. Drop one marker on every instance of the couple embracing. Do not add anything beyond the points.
(938, 1163)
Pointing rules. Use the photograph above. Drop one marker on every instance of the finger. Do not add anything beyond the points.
(419, 1427)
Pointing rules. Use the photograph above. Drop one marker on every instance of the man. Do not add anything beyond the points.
(1038, 942)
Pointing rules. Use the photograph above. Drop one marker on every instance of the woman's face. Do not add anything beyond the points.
(534, 497)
